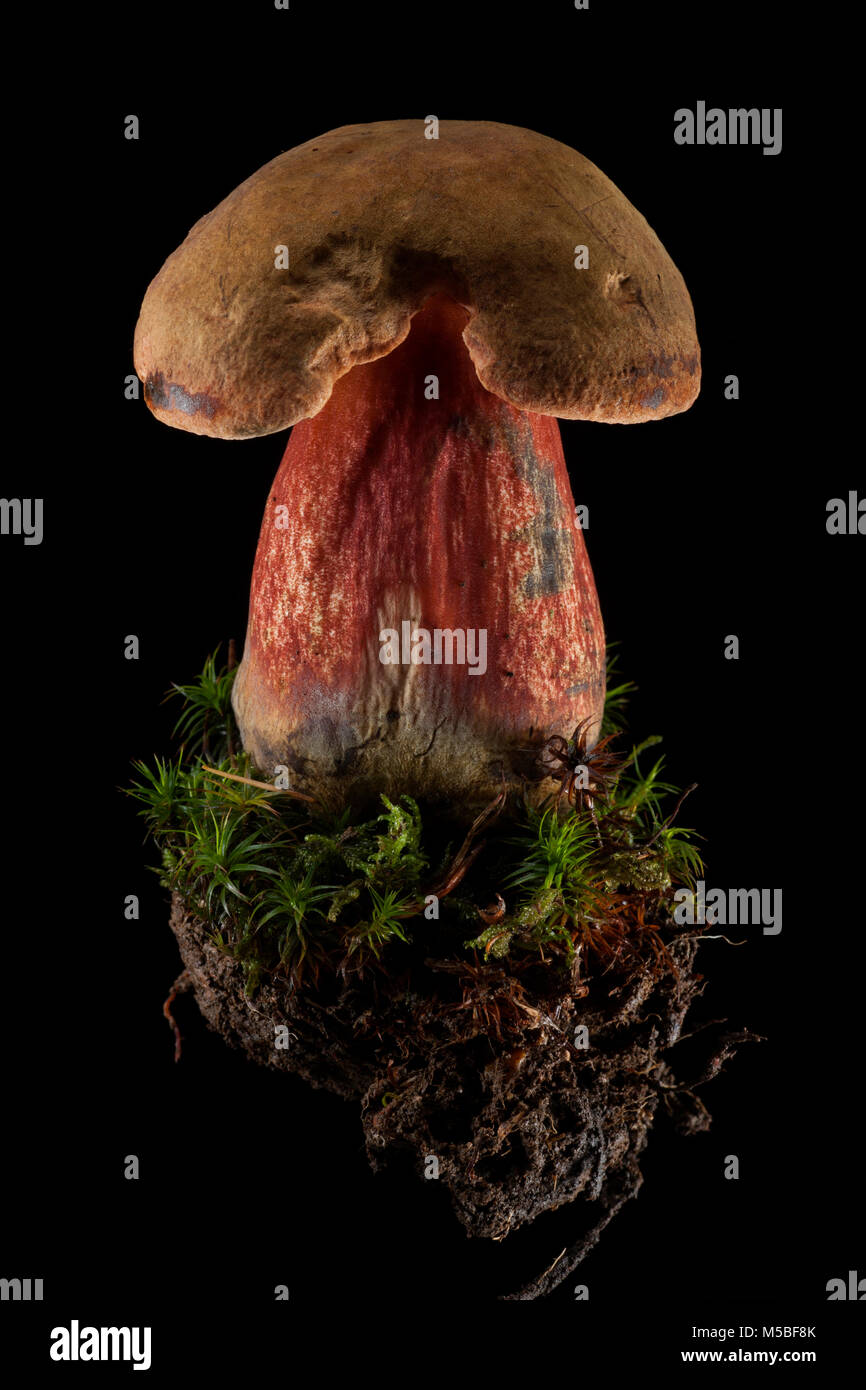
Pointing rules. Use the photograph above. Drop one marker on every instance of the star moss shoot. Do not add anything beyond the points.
(581, 885)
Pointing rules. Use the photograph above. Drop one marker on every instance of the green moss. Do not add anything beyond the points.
(627, 870)
(286, 887)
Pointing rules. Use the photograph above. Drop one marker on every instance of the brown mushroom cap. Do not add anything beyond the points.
(376, 218)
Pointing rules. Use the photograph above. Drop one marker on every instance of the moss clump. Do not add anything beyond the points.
(524, 1021)
(288, 888)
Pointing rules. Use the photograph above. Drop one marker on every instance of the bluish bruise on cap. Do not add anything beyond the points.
(654, 400)
(167, 395)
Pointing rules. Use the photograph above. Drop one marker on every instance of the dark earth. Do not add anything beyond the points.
(484, 1068)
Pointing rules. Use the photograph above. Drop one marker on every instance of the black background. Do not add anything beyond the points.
(706, 524)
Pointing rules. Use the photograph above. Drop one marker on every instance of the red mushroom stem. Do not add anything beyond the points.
(438, 504)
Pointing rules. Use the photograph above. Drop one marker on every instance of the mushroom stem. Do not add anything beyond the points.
(416, 497)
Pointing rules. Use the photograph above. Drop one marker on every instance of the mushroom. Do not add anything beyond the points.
(420, 310)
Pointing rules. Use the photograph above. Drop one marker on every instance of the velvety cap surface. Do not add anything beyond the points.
(233, 342)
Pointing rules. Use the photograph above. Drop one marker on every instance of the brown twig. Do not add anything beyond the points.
(180, 986)
(665, 823)
(251, 782)
(465, 858)
(462, 861)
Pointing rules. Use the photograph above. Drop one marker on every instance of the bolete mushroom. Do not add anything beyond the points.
(423, 614)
